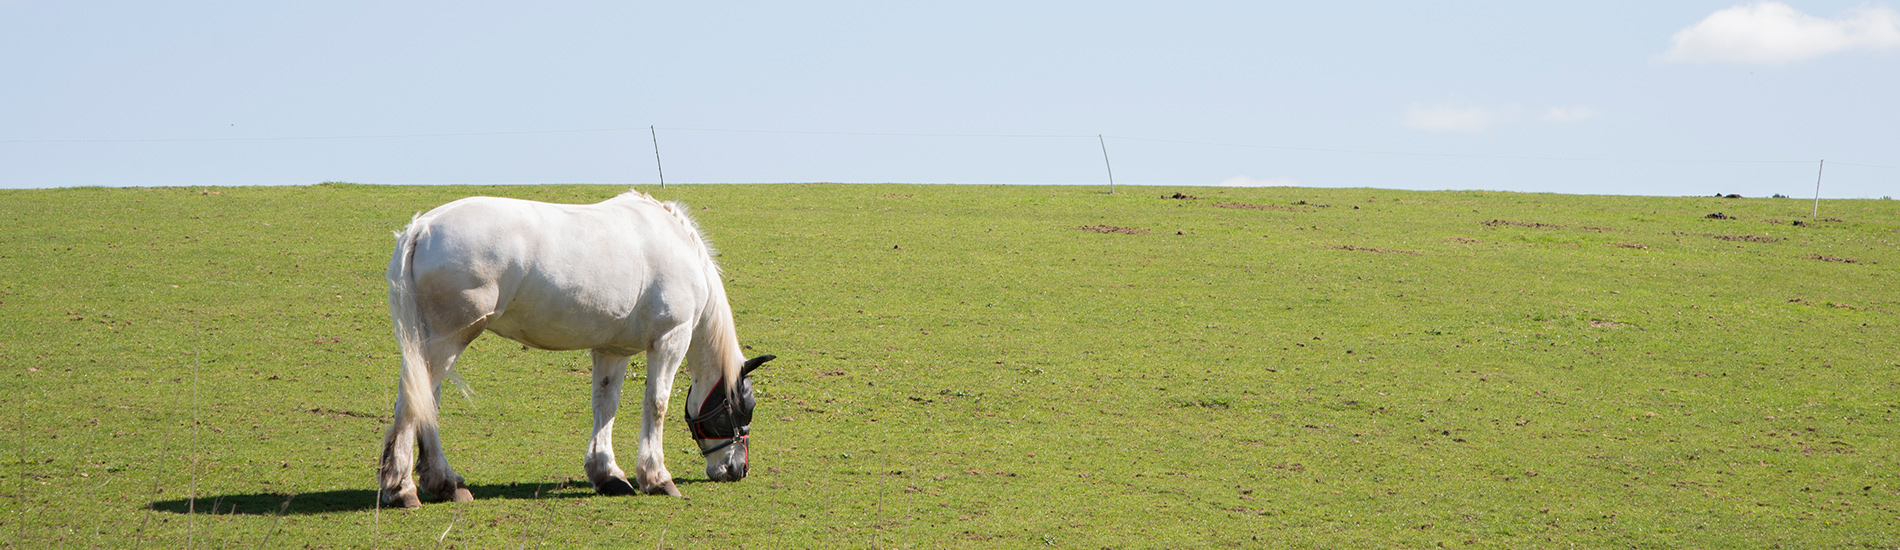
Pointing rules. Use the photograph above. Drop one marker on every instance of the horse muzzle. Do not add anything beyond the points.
(734, 467)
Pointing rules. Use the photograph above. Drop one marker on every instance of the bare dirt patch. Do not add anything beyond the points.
(1113, 229)
(1638, 246)
(1247, 206)
(1370, 249)
(1732, 238)
(1533, 225)
(1837, 305)
(334, 413)
(1466, 240)
(1826, 258)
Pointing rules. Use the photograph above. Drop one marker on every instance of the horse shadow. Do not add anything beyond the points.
(359, 500)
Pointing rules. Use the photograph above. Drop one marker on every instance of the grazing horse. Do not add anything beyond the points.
(627, 275)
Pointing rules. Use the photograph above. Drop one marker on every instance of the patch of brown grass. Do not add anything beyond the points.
(1826, 258)
(1247, 206)
(1733, 238)
(1113, 229)
(1370, 249)
(1533, 225)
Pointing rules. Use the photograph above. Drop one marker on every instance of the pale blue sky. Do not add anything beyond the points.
(1480, 95)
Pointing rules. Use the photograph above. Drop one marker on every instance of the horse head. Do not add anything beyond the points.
(723, 425)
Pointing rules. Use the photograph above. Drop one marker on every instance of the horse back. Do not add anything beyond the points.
(614, 275)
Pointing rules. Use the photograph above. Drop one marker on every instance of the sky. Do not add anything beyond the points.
(1603, 97)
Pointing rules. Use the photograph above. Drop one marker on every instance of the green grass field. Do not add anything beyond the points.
(967, 366)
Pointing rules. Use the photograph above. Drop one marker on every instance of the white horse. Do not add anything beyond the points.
(628, 275)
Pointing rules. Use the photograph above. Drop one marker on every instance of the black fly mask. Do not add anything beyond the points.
(727, 414)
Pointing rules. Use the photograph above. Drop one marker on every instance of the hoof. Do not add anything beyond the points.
(614, 487)
(406, 500)
(454, 490)
(666, 488)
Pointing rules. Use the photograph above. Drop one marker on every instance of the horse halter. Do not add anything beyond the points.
(727, 412)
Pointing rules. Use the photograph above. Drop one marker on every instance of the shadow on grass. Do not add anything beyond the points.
(355, 500)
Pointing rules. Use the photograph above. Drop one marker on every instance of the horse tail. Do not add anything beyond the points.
(415, 390)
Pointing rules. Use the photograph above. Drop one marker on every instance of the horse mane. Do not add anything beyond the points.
(684, 215)
(721, 336)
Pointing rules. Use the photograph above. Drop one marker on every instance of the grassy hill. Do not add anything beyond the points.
(983, 366)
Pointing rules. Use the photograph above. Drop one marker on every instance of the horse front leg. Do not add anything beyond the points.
(663, 362)
(609, 372)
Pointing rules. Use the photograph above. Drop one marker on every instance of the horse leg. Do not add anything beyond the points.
(407, 432)
(433, 465)
(399, 447)
(663, 362)
(609, 371)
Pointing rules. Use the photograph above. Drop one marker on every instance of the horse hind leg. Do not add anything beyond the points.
(433, 465)
(407, 433)
(399, 445)
(610, 371)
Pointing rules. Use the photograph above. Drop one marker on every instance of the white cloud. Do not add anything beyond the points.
(1773, 32)
(1249, 181)
(1568, 114)
(1449, 118)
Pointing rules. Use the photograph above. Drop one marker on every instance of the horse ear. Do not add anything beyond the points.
(754, 364)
